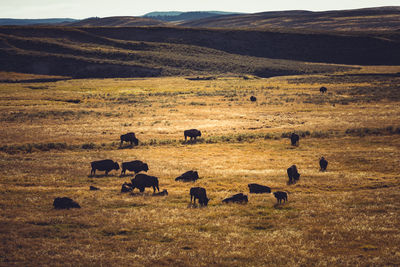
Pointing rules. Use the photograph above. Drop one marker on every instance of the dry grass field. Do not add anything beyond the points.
(348, 215)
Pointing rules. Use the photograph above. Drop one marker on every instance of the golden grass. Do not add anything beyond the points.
(348, 215)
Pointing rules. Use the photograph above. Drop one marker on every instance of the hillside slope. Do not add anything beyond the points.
(124, 21)
(161, 51)
(382, 18)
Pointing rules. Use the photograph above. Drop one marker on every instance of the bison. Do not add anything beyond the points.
(238, 198)
(323, 89)
(65, 203)
(294, 138)
(143, 180)
(93, 188)
(103, 165)
(135, 166)
(129, 137)
(200, 194)
(189, 176)
(280, 195)
(253, 98)
(258, 189)
(323, 164)
(293, 174)
(192, 133)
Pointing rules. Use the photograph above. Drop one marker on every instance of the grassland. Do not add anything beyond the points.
(349, 215)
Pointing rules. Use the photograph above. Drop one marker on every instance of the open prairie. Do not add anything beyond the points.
(348, 215)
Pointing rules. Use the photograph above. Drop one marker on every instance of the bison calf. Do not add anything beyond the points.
(238, 198)
(135, 166)
(189, 176)
(323, 164)
(293, 174)
(103, 165)
(65, 203)
(200, 194)
(258, 189)
(141, 181)
(279, 195)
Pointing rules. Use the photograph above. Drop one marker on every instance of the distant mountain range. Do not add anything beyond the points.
(367, 19)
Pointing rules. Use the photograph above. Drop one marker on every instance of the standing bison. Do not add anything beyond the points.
(192, 133)
(279, 195)
(294, 138)
(258, 189)
(141, 181)
(189, 176)
(293, 174)
(129, 137)
(103, 165)
(200, 194)
(253, 98)
(323, 164)
(323, 89)
(135, 166)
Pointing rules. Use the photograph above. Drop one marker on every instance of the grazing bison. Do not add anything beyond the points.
(238, 198)
(135, 166)
(129, 137)
(143, 180)
(192, 133)
(279, 195)
(293, 174)
(189, 176)
(162, 193)
(126, 187)
(103, 165)
(200, 194)
(323, 164)
(93, 188)
(253, 98)
(258, 189)
(294, 138)
(65, 203)
(323, 89)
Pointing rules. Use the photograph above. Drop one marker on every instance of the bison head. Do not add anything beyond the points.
(136, 141)
(116, 166)
(145, 167)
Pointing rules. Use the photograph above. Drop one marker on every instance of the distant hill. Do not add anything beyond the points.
(380, 18)
(165, 51)
(124, 21)
(34, 21)
(185, 16)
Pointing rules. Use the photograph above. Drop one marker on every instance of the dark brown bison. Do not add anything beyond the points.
(200, 194)
(279, 195)
(294, 139)
(293, 174)
(126, 187)
(192, 133)
(93, 188)
(103, 165)
(323, 89)
(258, 189)
(143, 180)
(323, 164)
(129, 137)
(253, 98)
(238, 198)
(65, 203)
(135, 166)
(189, 176)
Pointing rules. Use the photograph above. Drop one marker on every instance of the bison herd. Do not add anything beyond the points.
(141, 181)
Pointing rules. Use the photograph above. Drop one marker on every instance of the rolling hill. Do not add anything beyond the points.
(162, 51)
(116, 22)
(381, 18)
(174, 16)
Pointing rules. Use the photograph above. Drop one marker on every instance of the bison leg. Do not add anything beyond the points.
(106, 172)
(93, 172)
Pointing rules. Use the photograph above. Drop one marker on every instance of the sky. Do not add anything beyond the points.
(79, 9)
